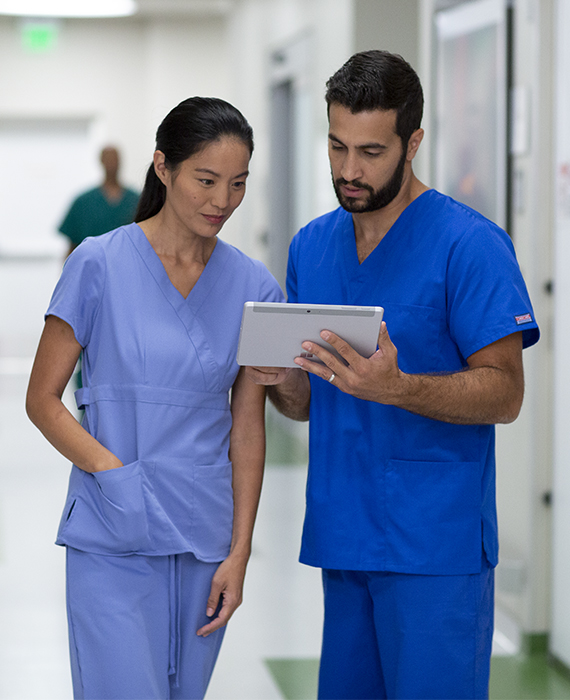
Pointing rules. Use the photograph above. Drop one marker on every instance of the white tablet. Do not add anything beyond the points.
(271, 333)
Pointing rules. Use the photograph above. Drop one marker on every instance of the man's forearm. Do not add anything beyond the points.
(292, 397)
(482, 395)
(489, 391)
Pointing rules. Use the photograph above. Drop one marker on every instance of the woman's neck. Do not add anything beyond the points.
(172, 240)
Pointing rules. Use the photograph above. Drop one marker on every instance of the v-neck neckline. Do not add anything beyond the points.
(204, 282)
(351, 251)
(112, 202)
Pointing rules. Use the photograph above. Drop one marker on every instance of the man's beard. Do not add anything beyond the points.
(377, 199)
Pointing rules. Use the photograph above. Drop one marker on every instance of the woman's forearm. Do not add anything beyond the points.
(247, 454)
(247, 463)
(60, 427)
(56, 358)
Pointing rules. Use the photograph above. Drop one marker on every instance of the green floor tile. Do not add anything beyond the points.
(527, 678)
(512, 678)
(295, 678)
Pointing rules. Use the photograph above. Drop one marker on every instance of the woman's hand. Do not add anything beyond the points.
(267, 376)
(227, 589)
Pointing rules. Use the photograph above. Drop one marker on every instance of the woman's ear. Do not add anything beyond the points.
(162, 172)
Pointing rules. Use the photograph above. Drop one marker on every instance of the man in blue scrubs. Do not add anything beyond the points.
(401, 490)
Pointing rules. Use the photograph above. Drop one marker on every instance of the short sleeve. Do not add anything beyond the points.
(487, 296)
(292, 292)
(269, 289)
(77, 296)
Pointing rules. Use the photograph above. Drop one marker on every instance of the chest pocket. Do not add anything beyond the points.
(421, 336)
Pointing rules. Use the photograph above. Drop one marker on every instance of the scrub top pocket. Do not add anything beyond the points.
(213, 510)
(108, 513)
(440, 533)
(419, 334)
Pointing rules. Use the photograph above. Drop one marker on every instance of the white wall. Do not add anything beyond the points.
(524, 449)
(560, 644)
(38, 181)
(390, 25)
(123, 75)
(258, 28)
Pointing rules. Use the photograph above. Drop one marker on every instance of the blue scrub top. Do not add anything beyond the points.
(157, 370)
(389, 490)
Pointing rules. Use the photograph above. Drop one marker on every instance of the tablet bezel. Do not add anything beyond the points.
(271, 333)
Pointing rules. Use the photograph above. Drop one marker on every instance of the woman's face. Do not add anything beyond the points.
(203, 192)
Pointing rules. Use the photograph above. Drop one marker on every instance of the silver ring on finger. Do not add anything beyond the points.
(331, 378)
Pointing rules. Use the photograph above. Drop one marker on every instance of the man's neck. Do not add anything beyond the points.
(112, 189)
(371, 227)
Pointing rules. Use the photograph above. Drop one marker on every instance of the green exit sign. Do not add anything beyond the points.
(38, 36)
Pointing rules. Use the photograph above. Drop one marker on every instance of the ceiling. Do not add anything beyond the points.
(184, 8)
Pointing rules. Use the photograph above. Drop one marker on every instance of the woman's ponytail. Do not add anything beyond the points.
(152, 197)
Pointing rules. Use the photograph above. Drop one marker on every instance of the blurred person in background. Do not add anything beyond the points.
(103, 208)
(168, 462)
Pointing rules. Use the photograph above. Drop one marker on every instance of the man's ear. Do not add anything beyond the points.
(414, 143)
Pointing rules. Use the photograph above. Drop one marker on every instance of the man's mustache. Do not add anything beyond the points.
(354, 183)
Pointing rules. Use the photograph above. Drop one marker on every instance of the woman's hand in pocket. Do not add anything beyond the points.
(109, 462)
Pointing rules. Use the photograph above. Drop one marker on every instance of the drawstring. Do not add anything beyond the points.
(174, 655)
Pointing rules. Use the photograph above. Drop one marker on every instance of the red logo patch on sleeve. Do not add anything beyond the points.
(524, 318)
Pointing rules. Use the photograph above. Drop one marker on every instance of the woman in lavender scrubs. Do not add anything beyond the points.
(167, 464)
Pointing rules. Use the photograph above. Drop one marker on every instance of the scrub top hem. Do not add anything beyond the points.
(159, 553)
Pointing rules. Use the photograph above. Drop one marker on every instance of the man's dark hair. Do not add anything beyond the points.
(379, 80)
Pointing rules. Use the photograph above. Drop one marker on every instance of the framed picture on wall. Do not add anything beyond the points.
(471, 115)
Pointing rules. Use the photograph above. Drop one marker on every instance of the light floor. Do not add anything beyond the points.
(272, 645)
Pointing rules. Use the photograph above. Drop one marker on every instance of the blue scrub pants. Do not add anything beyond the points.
(132, 626)
(407, 637)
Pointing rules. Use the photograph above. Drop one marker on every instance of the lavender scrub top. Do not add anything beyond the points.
(157, 371)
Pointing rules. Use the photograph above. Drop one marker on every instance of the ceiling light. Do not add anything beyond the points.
(68, 8)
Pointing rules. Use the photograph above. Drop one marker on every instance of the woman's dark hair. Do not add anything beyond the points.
(379, 80)
(186, 130)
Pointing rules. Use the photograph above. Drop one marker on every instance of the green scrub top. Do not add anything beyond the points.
(92, 214)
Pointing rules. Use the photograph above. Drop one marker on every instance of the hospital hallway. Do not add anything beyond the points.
(272, 644)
